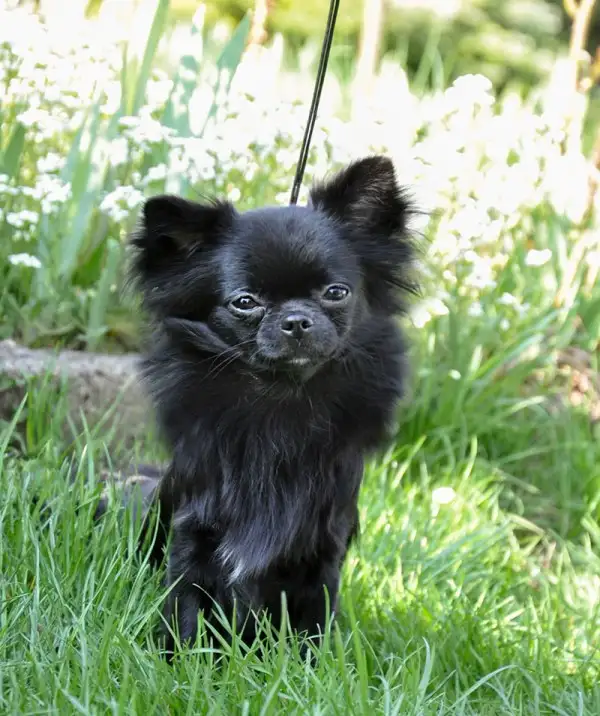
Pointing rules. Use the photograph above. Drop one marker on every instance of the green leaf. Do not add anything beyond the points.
(11, 157)
(126, 83)
(176, 114)
(84, 195)
(97, 324)
(68, 170)
(156, 32)
(589, 312)
(227, 65)
(430, 59)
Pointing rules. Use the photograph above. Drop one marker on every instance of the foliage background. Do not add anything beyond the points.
(512, 41)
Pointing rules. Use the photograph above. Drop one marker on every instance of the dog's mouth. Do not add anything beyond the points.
(296, 366)
(299, 361)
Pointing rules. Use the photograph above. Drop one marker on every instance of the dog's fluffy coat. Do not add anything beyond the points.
(275, 365)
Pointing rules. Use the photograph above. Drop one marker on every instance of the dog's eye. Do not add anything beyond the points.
(336, 293)
(244, 303)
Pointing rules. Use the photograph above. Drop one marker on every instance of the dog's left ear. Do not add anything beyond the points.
(373, 210)
(365, 191)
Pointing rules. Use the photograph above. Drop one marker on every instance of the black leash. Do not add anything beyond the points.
(314, 107)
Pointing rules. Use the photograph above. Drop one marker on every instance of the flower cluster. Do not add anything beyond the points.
(480, 168)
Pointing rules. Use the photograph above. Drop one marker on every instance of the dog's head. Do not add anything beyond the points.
(280, 288)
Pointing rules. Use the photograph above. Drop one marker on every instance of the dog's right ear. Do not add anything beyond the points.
(172, 228)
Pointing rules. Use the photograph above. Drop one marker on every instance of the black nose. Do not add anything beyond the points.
(295, 325)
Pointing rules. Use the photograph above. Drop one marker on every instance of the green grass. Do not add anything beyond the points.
(485, 604)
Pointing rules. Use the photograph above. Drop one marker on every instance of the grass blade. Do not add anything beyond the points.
(11, 158)
(97, 319)
(156, 32)
(84, 196)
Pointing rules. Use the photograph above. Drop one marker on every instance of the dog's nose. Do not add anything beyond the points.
(295, 325)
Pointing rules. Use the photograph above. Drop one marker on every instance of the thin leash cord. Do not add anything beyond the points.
(314, 107)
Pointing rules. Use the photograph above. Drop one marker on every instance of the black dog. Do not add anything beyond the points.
(275, 365)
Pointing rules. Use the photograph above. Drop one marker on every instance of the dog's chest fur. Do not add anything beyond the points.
(274, 479)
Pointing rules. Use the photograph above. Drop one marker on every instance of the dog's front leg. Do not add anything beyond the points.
(194, 579)
(309, 600)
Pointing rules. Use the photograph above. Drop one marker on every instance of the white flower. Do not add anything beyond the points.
(31, 117)
(420, 316)
(234, 195)
(482, 275)
(507, 299)
(128, 121)
(52, 162)
(568, 197)
(200, 159)
(51, 191)
(144, 130)
(454, 374)
(422, 313)
(443, 495)
(120, 202)
(157, 92)
(157, 173)
(437, 307)
(25, 260)
(475, 309)
(20, 218)
(593, 260)
(473, 85)
(46, 124)
(118, 151)
(536, 257)
(469, 222)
